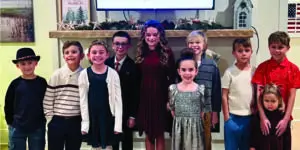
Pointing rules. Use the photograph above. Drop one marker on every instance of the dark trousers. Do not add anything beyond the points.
(64, 132)
(127, 142)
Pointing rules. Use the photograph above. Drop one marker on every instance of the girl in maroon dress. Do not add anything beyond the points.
(156, 66)
(272, 104)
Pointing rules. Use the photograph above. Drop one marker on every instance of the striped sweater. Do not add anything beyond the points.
(62, 94)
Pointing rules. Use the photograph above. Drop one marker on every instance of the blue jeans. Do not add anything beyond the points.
(10, 129)
(36, 139)
(237, 132)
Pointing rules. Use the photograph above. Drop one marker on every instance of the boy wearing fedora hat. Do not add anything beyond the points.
(62, 103)
(24, 104)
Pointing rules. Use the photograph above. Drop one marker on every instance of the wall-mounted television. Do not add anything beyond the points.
(155, 4)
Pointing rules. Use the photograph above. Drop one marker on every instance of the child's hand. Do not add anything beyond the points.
(168, 106)
(264, 126)
(173, 113)
(226, 117)
(214, 119)
(281, 127)
(131, 123)
(83, 133)
(202, 115)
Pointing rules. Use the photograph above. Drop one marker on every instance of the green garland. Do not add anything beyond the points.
(182, 24)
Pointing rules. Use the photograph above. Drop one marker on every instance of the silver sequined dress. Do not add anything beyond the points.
(187, 131)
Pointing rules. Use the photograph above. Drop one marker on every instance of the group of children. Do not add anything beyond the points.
(105, 102)
(258, 102)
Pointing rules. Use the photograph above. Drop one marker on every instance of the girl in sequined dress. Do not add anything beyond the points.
(186, 102)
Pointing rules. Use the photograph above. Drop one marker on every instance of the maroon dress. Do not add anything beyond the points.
(271, 141)
(153, 117)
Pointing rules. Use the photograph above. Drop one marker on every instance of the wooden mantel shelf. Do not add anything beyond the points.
(228, 33)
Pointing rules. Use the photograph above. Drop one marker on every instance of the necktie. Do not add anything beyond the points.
(117, 64)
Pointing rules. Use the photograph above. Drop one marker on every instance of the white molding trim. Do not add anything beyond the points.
(294, 35)
(293, 1)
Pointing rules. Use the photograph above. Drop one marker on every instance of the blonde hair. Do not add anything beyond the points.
(272, 89)
(197, 35)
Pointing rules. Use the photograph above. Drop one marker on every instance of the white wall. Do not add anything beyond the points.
(267, 21)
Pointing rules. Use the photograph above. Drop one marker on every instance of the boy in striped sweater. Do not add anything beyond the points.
(61, 101)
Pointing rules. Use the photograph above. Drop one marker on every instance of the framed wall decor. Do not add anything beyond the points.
(293, 21)
(74, 11)
(16, 21)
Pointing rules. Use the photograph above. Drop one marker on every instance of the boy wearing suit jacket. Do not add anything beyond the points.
(126, 68)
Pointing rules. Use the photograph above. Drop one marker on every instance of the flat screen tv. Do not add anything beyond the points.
(155, 4)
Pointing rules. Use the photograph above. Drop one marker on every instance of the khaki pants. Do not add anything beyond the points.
(207, 131)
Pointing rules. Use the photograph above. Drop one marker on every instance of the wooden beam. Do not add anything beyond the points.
(229, 33)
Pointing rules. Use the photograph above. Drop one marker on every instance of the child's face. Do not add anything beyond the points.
(27, 67)
(72, 55)
(152, 36)
(241, 53)
(98, 54)
(120, 46)
(278, 51)
(197, 44)
(187, 70)
(270, 101)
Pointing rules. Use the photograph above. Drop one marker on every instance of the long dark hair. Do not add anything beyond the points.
(162, 48)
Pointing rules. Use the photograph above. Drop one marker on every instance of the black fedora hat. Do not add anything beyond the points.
(25, 54)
